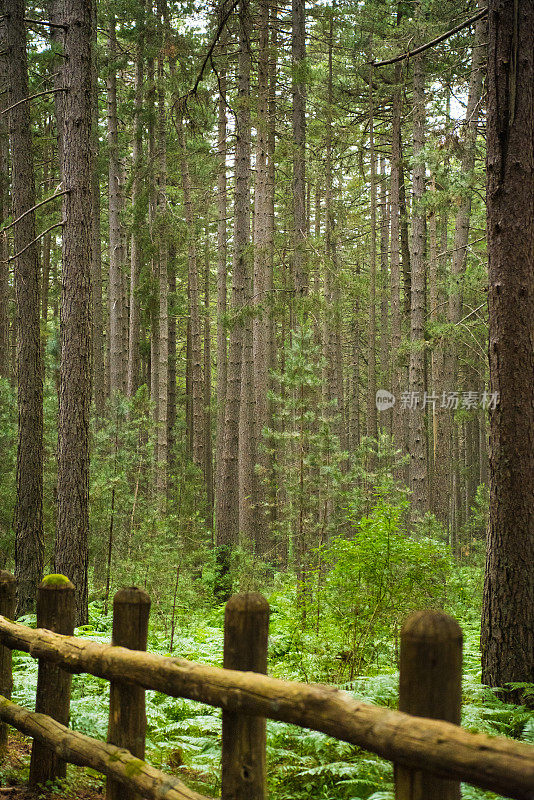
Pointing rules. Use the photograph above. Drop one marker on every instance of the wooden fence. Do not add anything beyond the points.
(431, 753)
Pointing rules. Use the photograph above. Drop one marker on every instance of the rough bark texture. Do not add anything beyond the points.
(298, 56)
(417, 428)
(4, 212)
(228, 517)
(76, 341)
(263, 279)
(116, 237)
(29, 541)
(132, 381)
(398, 427)
(8, 604)
(372, 418)
(222, 272)
(508, 610)
(491, 762)
(197, 388)
(163, 256)
(99, 370)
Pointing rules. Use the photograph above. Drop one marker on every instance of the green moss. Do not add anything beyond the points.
(134, 767)
(55, 581)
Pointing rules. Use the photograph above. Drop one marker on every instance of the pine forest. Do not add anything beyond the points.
(267, 325)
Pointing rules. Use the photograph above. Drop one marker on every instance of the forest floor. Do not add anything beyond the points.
(18, 759)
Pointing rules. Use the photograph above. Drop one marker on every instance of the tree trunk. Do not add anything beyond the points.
(137, 211)
(417, 427)
(163, 255)
(508, 610)
(298, 56)
(197, 388)
(99, 371)
(397, 371)
(222, 354)
(372, 421)
(263, 281)
(116, 238)
(29, 542)
(76, 340)
(4, 212)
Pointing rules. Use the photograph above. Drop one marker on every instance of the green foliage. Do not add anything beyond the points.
(373, 579)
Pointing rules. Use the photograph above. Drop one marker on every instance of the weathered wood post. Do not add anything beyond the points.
(430, 686)
(127, 710)
(55, 612)
(246, 628)
(8, 601)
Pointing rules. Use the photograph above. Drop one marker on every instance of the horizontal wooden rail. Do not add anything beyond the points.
(115, 762)
(492, 763)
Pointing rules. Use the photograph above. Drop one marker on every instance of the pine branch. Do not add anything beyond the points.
(32, 97)
(428, 45)
(34, 208)
(33, 241)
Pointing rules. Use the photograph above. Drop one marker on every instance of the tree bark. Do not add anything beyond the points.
(508, 609)
(132, 382)
(298, 56)
(116, 237)
(76, 341)
(29, 541)
(417, 427)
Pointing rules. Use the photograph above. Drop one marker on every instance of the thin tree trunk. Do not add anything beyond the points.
(208, 450)
(116, 239)
(222, 354)
(163, 337)
(263, 281)
(298, 56)
(197, 388)
(417, 443)
(372, 421)
(99, 371)
(76, 341)
(137, 212)
(29, 542)
(397, 371)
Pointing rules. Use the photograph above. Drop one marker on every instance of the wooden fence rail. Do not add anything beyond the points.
(431, 756)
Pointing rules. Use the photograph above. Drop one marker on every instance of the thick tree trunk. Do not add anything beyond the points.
(508, 611)
(29, 542)
(76, 340)
(4, 212)
(228, 516)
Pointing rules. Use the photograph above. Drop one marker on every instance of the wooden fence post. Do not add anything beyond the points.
(55, 612)
(7, 609)
(430, 685)
(127, 711)
(246, 628)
